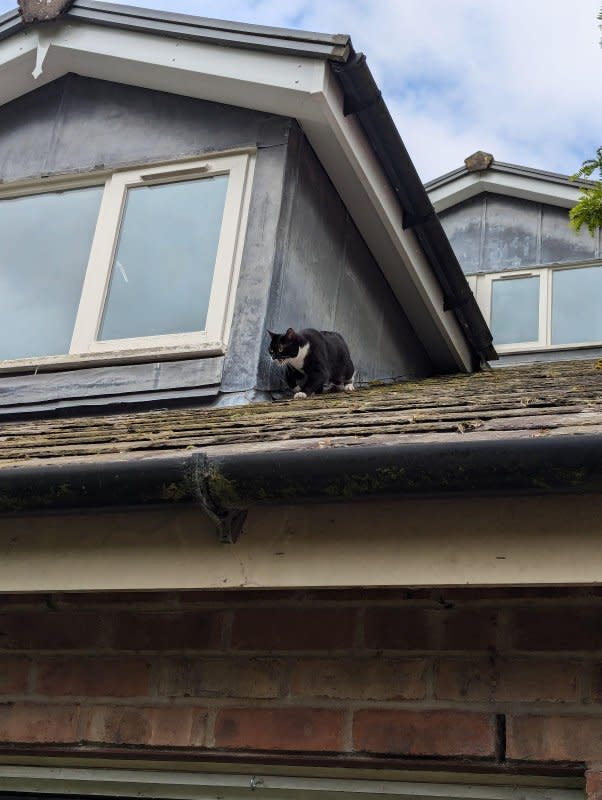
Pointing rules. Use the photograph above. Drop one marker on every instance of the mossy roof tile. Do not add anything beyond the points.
(563, 398)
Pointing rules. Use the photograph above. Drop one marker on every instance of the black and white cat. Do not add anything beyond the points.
(312, 360)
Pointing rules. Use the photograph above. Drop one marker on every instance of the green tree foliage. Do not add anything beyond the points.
(588, 210)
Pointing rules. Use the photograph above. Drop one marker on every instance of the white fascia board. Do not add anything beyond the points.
(188, 785)
(302, 88)
(368, 195)
(538, 190)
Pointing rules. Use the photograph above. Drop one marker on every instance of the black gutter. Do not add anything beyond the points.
(225, 486)
(363, 99)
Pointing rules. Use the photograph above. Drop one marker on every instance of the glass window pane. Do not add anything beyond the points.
(163, 269)
(515, 310)
(576, 315)
(45, 245)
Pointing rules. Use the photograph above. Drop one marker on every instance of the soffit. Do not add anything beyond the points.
(505, 179)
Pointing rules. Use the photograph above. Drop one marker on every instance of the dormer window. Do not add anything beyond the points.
(543, 307)
(141, 262)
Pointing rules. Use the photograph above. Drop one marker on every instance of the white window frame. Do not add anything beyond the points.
(482, 287)
(84, 347)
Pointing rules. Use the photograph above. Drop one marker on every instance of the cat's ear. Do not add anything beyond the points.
(290, 334)
(271, 333)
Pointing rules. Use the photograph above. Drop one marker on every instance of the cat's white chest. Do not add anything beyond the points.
(299, 360)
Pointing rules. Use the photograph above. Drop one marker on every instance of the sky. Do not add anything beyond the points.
(521, 79)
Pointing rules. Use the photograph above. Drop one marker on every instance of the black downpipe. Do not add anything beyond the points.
(363, 98)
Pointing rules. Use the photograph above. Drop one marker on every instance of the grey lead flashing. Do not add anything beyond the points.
(509, 169)
(233, 34)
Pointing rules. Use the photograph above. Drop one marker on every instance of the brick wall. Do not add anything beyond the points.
(503, 675)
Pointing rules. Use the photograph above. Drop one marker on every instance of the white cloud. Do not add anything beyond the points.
(520, 78)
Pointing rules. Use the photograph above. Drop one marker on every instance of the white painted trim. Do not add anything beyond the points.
(181, 785)
(484, 541)
(536, 189)
(85, 347)
(374, 207)
(300, 87)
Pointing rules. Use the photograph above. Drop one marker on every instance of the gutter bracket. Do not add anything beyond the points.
(353, 106)
(453, 301)
(228, 524)
(411, 220)
(228, 520)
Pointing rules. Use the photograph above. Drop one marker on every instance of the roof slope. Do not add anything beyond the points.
(535, 429)
(535, 400)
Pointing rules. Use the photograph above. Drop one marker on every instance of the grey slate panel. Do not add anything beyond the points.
(78, 124)
(463, 225)
(559, 242)
(491, 233)
(330, 281)
(110, 382)
(510, 233)
(248, 338)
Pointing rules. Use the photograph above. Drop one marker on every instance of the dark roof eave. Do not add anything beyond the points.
(226, 485)
(509, 169)
(363, 98)
(10, 23)
(225, 33)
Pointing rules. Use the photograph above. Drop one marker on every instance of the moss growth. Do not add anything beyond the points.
(175, 493)
(222, 490)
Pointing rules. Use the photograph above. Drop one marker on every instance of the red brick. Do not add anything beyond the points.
(554, 738)
(399, 629)
(181, 630)
(293, 629)
(424, 733)
(593, 784)
(430, 629)
(13, 674)
(306, 729)
(169, 726)
(597, 685)
(93, 677)
(104, 600)
(554, 629)
(361, 679)
(520, 680)
(12, 601)
(222, 677)
(50, 630)
(34, 723)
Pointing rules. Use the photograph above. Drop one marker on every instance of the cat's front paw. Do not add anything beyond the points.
(299, 396)
(349, 387)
